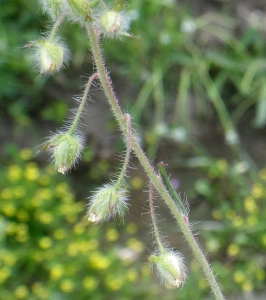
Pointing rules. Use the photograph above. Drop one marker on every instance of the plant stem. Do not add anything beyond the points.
(113, 101)
(153, 218)
(126, 160)
(56, 26)
(82, 103)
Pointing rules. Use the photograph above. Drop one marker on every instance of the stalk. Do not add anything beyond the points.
(158, 185)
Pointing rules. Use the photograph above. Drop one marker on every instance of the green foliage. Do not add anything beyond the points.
(236, 239)
(50, 251)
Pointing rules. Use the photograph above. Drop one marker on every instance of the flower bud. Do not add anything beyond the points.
(65, 149)
(111, 22)
(170, 267)
(81, 9)
(106, 203)
(51, 56)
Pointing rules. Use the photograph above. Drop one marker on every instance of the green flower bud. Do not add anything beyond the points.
(81, 9)
(106, 203)
(170, 267)
(51, 56)
(65, 149)
(111, 22)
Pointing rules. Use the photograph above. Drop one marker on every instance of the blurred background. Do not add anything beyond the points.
(193, 80)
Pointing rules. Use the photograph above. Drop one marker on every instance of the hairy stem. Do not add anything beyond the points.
(128, 142)
(153, 218)
(82, 103)
(113, 101)
(56, 26)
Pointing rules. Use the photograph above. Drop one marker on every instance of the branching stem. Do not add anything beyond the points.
(82, 103)
(158, 185)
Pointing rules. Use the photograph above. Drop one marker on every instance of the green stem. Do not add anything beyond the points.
(82, 103)
(126, 161)
(185, 227)
(170, 189)
(56, 26)
(153, 218)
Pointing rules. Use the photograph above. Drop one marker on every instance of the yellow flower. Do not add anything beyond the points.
(90, 283)
(257, 191)
(25, 154)
(56, 272)
(59, 234)
(21, 292)
(31, 172)
(66, 285)
(98, 261)
(45, 242)
(14, 173)
(132, 275)
(233, 250)
(112, 235)
(4, 274)
(6, 194)
(247, 286)
(238, 221)
(19, 192)
(9, 209)
(131, 228)
(239, 276)
(113, 282)
(250, 205)
(135, 245)
(136, 183)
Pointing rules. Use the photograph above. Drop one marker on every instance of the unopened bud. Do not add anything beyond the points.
(65, 149)
(106, 203)
(111, 22)
(82, 8)
(170, 267)
(51, 56)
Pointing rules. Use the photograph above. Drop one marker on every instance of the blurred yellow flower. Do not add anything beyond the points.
(98, 261)
(136, 183)
(8, 209)
(21, 292)
(257, 191)
(238, 221)
(113, 282)
(90, 283)
(135, 244)
(250, 205)
(25, 154)
(239, 276)
(66, 285)
(6, 194)
(14, 173)
(31, 172)
(131, 228)
(233, 250)
(131, 275)
(5, 272)
(247, 286)
(59, 234)
(56, 272)
(45, 242)
(112, 235)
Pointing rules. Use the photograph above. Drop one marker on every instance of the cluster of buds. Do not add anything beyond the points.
(65, 149)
